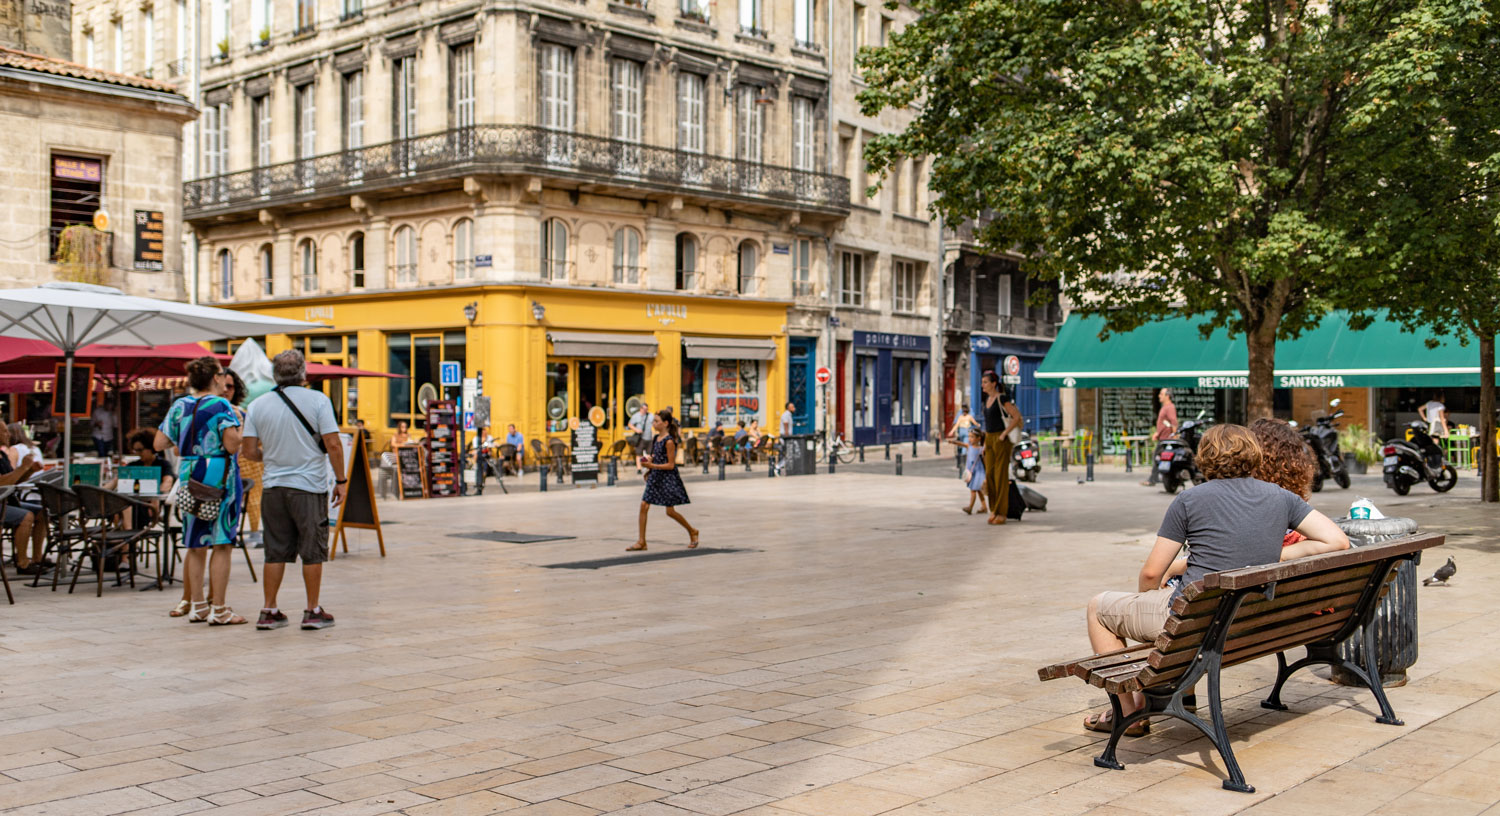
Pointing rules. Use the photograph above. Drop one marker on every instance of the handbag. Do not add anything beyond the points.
(968, 475)
(192, 496)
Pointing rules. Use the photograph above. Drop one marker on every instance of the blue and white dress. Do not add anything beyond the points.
(204, 458)
(975, 463)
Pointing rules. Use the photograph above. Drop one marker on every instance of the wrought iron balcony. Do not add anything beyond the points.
(512, 149)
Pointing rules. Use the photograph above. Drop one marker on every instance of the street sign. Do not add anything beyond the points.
(1012, 369)
(451, 374)
(824, 375)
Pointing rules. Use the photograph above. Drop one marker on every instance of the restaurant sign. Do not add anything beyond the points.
(149, 242)
(1282, 381)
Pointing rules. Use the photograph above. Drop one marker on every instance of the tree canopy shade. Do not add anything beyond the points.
(1168, 157)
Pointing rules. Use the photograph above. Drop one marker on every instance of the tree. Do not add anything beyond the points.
(1158, 157)
(1438, 217)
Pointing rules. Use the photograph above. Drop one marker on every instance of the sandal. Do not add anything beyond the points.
(1104, 724)
(636, 548)
(199, 613)
(969, 510)
(224, 616)
(693, 545)
(181, 608)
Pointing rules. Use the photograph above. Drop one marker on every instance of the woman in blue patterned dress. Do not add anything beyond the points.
(205, 429)
(663, 484)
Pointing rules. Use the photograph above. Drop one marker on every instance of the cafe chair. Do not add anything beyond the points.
(109, 538)
(716, 449)
(618, 449)
(64, 532)
(559, 455)
(538, 454)
(507, 458)
(691, 450)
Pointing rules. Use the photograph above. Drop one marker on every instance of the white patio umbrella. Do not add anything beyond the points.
(73, 315)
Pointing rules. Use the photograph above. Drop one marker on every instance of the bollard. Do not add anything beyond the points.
(770, 468)
(613, 464)
(747, 463)
(832, 460)
(898, 464)
(1090, 467)
(958, 459)
(914, 449)
(937, 447)
(721, 470)
(1129, 450)
(705, 463)
(559, 474)
(543, 471)
(1064, 463)
(887, 451)
(861, 454)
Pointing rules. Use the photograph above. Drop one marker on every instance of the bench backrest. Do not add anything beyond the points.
(1270, 609)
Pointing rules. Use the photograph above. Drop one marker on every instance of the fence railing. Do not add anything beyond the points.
(511, 148)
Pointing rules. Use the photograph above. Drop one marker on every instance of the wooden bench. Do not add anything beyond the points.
(1236, 616)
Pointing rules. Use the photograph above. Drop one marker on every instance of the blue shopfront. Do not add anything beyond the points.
(802, 370)
(1041, 407)
(890, 387)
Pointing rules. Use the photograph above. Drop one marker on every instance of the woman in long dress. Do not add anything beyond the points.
(205, 429)
(663, 483)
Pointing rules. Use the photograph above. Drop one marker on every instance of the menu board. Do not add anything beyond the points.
(1124, 410)
(409, 469)
(149, 242)
(585, 465)
(442, 444)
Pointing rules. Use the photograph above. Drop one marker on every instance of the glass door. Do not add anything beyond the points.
(597, 388)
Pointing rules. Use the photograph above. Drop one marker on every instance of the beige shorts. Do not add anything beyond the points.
(1135, 615)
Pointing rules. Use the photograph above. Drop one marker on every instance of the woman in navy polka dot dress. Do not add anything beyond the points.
(663, 484)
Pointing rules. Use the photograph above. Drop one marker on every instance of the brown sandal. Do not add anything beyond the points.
(1104, 724)
(635, 548)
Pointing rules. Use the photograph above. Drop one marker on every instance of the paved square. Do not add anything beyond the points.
(851, 645)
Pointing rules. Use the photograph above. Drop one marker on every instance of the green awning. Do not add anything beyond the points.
(1172, 354)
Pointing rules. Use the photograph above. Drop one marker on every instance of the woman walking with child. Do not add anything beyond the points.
(663, 483)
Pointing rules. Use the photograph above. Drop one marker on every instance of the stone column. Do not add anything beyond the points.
(377, 253)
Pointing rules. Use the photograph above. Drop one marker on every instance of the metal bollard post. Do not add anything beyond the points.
(1064, 462)
(1129, 456)
(770, 468)
(543, 471)
(958, 459)
(861, 454)
(914, 449)
(721, 470)
(612, 474)
(887, 451)
(832, 460)
(898, 464)
(705, 463)
(1090, 467)
(937, 447)
(747, 463)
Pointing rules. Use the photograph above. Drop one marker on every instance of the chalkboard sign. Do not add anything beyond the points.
(412, 474)
(358, 509)
(585, 453)
(149, 243)
(442, 448)
(83, 389)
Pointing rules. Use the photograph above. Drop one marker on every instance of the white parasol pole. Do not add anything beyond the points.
(68, 351)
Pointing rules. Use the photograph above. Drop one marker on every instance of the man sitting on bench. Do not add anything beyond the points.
(1234, 520)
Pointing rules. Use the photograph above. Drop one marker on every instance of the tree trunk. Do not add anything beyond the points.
(1260, 342)
(1489, 476)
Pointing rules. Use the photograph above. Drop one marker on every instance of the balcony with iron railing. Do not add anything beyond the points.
(513, 149)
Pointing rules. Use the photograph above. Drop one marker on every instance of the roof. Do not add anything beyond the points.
(50, 65)
(1173, 353)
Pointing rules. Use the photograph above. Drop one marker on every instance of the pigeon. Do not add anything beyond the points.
(1442, 575)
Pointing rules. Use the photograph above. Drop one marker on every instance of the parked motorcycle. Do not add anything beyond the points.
(1418, 459)
(1323, 438)
(1026, 463)
(1177, 460)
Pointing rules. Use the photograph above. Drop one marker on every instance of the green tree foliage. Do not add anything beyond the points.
(1163, 157)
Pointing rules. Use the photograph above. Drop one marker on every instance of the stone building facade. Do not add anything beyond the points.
(635, 152)
(81, 140)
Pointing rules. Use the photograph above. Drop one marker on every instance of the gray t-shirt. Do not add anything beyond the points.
(1232, 523)
(291, 455)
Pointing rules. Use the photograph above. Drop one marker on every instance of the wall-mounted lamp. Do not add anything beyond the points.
(471, 311)
(538, 311)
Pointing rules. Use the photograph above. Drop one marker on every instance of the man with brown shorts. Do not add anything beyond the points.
(294, 432)
(1233, 520)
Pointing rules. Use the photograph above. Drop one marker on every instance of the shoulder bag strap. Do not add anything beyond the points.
(302, 419)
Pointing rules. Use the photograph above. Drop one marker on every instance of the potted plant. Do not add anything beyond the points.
(1360, 447)
(265, 36)
(224, 48)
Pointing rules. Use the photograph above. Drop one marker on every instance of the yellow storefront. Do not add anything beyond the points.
(549, 354)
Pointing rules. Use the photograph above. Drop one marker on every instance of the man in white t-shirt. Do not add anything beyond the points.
(1435, 414)
(103, 428)
(788, 420)
(294, 432)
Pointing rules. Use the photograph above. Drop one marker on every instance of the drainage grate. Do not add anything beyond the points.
(620, 561)
(511, 538)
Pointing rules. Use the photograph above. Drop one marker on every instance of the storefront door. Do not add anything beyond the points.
(800, 378)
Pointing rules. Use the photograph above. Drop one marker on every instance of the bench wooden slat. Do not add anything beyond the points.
(1103, 677)
(1168, 644)
(1154, 677)
(1182, 626)
(1065, 669)
(1184, 608)
(1084, 668)
(1247, 640)
(1250, 577)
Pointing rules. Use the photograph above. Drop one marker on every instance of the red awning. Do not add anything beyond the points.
(117, 364)
(317, 372)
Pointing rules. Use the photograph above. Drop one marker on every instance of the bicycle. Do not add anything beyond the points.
(838, 449)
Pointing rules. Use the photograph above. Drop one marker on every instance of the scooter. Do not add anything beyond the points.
(1026, 463)
(1177, 461)
(1323, 438)
(1409, 462)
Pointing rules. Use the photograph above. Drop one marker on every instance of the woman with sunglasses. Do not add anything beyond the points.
(205, 429)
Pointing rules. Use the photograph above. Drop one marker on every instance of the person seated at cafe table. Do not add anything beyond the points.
(22, 445)
(25, 518)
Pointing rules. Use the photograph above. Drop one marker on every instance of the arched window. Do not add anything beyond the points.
(627, 255)
(554, 250)
(307, 254)
(687, 261)
(357, 260)
(226, 275)
(406, 255)
(463, 249)
(265, 268)
(746, 275)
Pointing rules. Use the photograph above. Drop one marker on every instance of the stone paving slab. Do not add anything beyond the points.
(870, 650)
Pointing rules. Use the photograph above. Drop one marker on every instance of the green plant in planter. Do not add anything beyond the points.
(265, 36)
(1364, 445)
(224, 48)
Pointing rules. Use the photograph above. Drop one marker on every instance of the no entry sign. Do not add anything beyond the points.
(824, 375)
